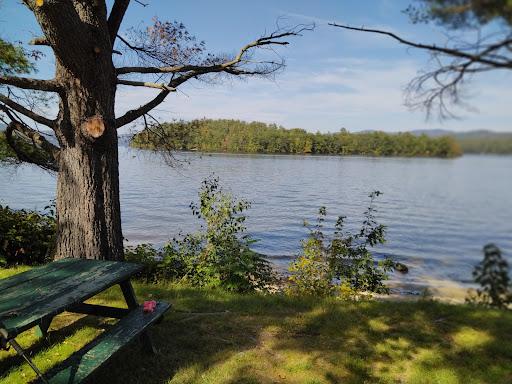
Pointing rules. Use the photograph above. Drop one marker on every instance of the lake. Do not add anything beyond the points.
(439, 213)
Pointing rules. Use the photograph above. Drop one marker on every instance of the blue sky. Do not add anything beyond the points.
(334, 78)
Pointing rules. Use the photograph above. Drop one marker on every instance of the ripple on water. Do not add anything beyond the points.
(439, 213)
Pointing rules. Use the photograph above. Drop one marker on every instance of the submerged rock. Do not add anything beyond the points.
(402, 268)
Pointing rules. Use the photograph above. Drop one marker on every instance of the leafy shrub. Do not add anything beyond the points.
(492, 275)
(159, 266)
(310, 273)
(341, 265)
(26, 237)
(216, 256)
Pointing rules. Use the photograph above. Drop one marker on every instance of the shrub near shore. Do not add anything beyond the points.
(26, 237)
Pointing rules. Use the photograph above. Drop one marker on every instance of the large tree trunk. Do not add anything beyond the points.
(89, 217)
(88, 208)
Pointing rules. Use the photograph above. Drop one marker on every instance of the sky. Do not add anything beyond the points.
(333, 78)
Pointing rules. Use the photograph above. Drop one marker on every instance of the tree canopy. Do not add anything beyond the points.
(13, 59)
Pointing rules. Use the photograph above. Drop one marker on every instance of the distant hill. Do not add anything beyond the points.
(432, 132)
(479, 141)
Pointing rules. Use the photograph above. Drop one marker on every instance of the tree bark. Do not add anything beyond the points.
(88, 208)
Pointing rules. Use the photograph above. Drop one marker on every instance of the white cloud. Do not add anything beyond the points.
(356, 94)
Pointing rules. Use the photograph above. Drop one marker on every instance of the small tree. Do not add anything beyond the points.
(218, 255)
(344, 263)
(310, 273)
(492, 275)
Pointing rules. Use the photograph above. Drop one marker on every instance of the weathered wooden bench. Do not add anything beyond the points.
(35, 297)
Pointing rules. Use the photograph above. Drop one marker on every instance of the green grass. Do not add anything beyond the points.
(217, 337)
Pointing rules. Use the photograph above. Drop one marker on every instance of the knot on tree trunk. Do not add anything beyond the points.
(94, 126)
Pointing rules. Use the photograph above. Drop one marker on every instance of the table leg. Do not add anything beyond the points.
(42, 327)
(131, 301)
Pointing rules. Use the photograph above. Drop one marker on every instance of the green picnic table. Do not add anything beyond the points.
(33, 298)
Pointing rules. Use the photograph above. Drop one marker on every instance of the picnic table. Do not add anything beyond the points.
(33, 298)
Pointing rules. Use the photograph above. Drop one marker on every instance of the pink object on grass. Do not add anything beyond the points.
(149, 306)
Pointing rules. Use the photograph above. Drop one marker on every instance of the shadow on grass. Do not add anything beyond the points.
(216, 337)
(276, 339)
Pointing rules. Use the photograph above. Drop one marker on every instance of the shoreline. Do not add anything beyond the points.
(207, 153)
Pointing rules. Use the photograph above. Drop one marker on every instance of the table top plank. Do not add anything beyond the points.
(26, 291)
(33, 273)
(45, 294)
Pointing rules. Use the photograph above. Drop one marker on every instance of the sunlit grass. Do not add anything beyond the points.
(217, 337)
(12, 271)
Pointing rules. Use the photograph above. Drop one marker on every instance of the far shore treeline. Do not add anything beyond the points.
(234, 136)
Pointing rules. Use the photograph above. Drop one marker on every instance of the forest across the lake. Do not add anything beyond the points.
(235, 136)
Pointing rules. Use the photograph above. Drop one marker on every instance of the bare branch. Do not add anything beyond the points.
(146, 84)
(447, 81)
(29, 83)
(116, 18)
(27, 112)
(30, 146)
(237, 66)
(163, 143)
(272, 39)
(134, 114)
(437, 88)
(478, 57)
(173, 69)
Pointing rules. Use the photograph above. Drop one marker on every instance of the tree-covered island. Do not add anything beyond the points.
(234, 136)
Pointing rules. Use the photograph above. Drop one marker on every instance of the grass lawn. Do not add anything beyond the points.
(216, 337)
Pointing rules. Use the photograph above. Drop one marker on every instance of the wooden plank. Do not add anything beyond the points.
(57, 283)
(79, 366)
(33, 273)
(51, 296)
(50, 281)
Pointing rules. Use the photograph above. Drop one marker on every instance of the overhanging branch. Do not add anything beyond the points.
(134, 114)
(272, 39)
(31, 147)
(146, 84)
(27, 112)
(237, 66)
(29, 83)
(479, 57)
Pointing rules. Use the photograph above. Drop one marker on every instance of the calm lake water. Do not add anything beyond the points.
(439, 213)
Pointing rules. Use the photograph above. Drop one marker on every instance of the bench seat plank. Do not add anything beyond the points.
(28, 299)
(80, 365)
